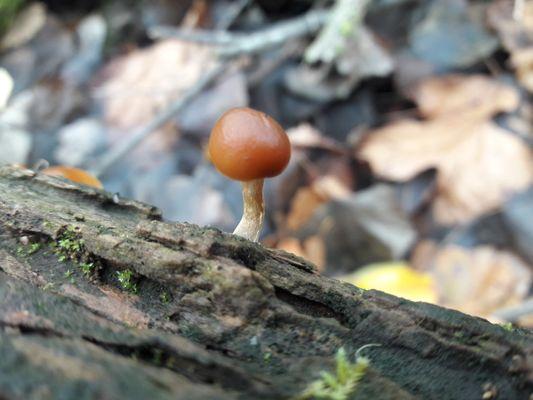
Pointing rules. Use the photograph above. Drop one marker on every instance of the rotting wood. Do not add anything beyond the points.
(208, 315)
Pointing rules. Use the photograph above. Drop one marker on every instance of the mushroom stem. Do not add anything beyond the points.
(254, 211)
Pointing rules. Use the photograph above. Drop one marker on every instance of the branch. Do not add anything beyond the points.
(345, 21)
(235, 44)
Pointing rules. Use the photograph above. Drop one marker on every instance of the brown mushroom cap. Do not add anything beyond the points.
(246, 144)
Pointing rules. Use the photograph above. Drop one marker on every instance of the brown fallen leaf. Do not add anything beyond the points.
(312, 249)
(141, 83)
(479, 165)
(307, 136)
(477, 281)
(475, 96)
(303, 205)
(516, 35)
(523, 62)
(307, 199)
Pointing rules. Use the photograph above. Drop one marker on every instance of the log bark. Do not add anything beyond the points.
(102, 299)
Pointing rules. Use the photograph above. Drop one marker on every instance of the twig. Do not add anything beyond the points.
(202, 36)
(277, 34)
(234, 44)
(118, 152)
(345, 21)
(513, 313)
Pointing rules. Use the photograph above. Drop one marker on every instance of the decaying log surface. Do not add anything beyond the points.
(202, 314)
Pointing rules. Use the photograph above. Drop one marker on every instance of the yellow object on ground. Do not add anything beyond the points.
(396, 278)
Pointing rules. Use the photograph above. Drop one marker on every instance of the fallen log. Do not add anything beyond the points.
(100, 298)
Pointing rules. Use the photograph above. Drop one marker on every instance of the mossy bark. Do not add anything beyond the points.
(208, 315)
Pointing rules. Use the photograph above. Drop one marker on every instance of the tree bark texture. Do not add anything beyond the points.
(102, 299)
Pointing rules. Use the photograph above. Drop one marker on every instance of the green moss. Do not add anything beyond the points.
(69, 275)
(86, 268)
(340, 385)
(165, 297)
(28, 250)
(47, 224)
(508, 326)
(126, 280)
(69, 245)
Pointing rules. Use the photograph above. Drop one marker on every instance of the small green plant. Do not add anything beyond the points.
(343, 383)
(69, 275)
(165, 297)
(508, 326)
(69, 245)
(34, 248)
(267, 357)
(29, 249)
(125, 278)
(86, 268)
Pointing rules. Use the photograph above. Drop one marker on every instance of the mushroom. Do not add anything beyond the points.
(73, 174)
(248, 146)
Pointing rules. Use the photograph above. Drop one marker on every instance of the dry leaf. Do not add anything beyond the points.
(478, 96)
(315, 251)
(331, 187)
(516, 35)
(307, 136)
(479, 164)
(477, 281)
(147, 80)
(303, 206)
(523, 62)
(307, 199)
(312, 249)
